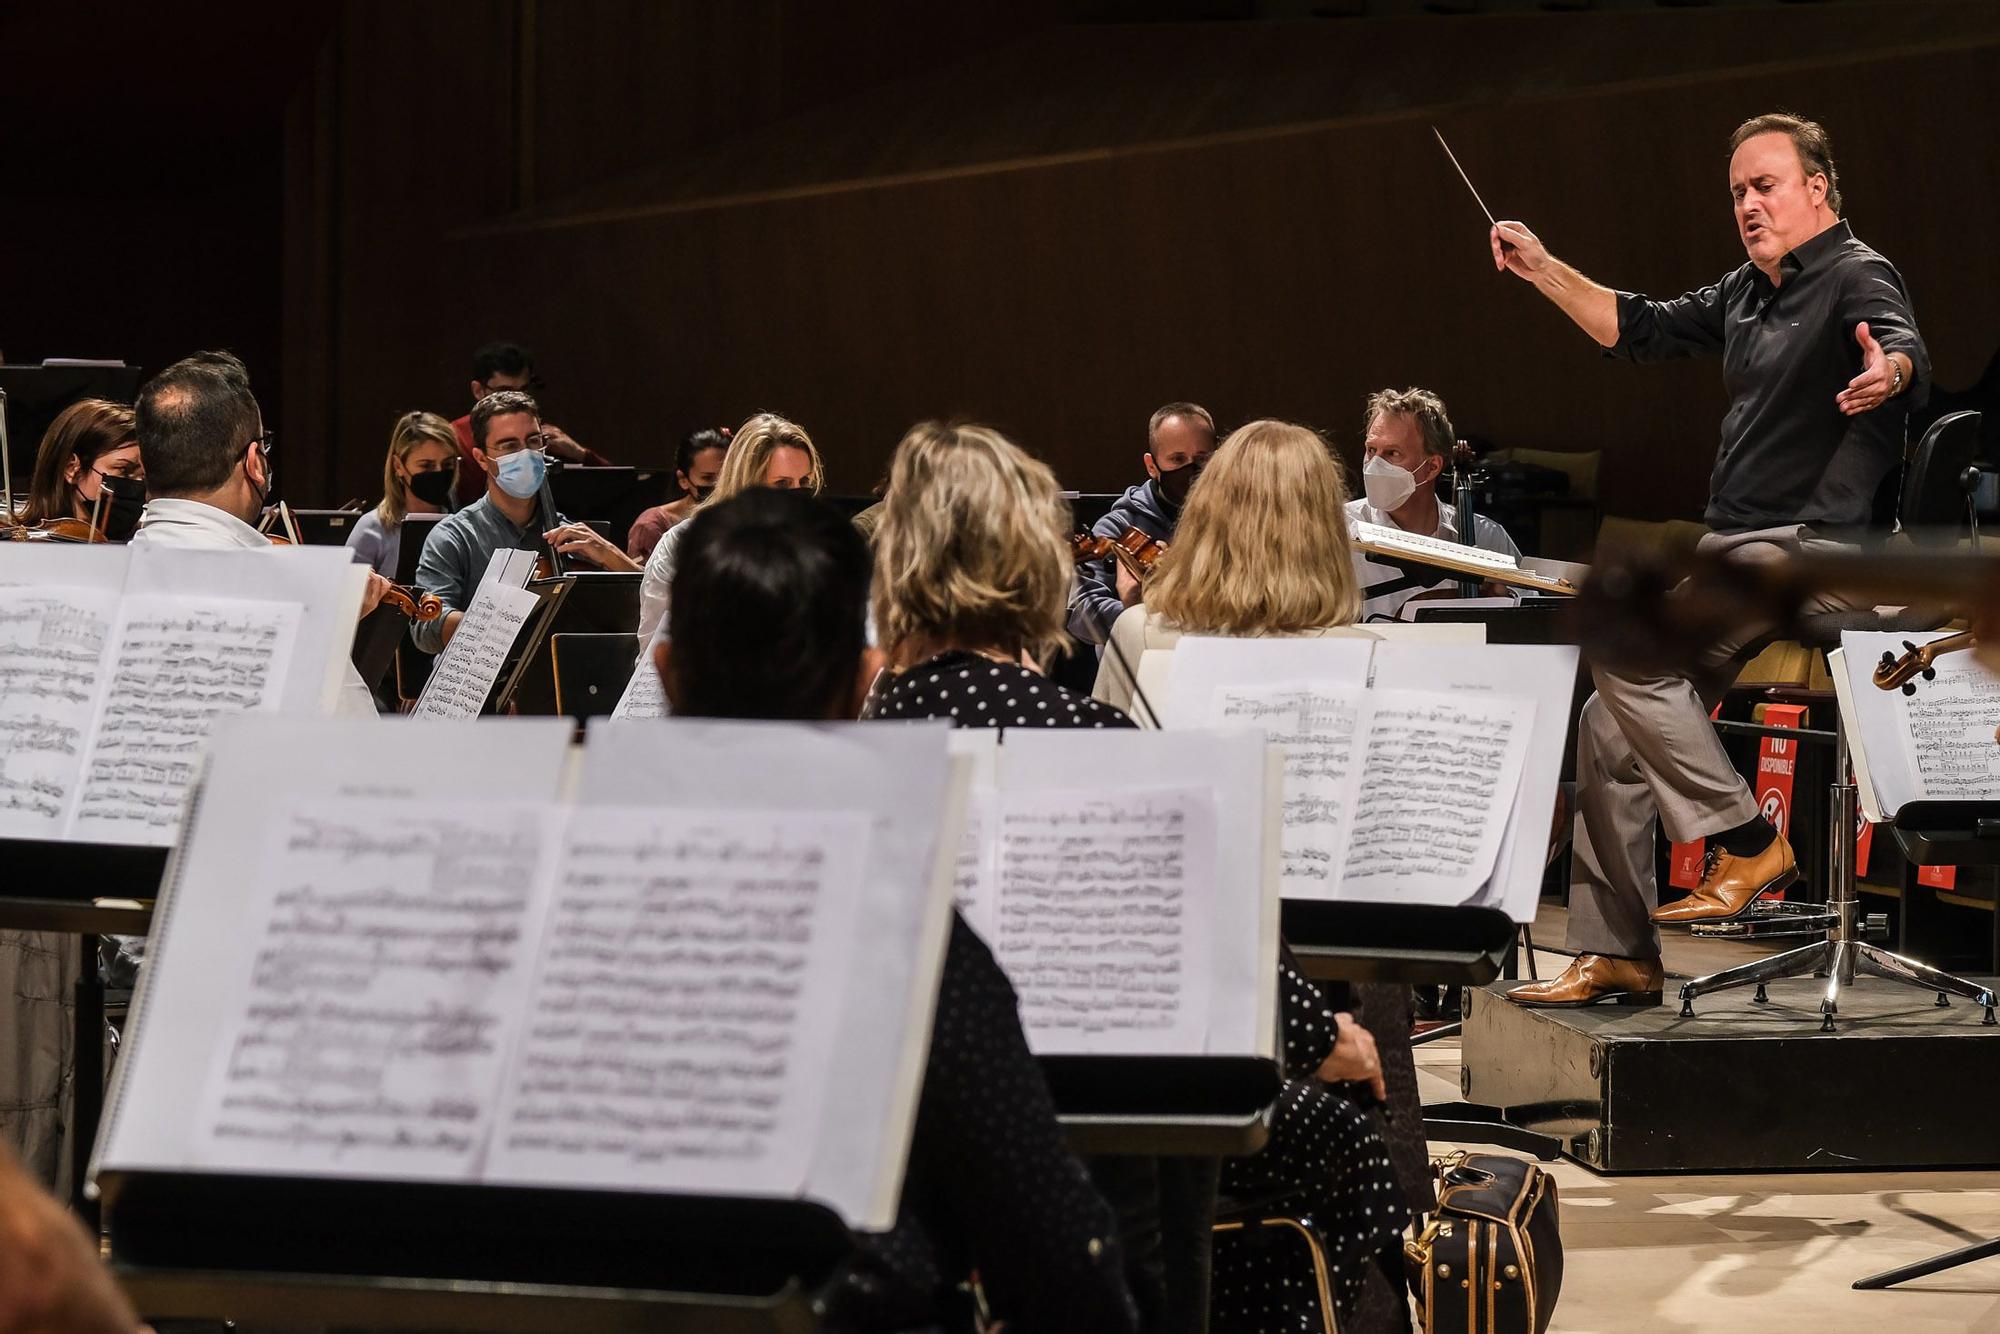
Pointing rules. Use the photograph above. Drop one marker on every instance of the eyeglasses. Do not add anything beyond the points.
(500, 449)
(268, 442)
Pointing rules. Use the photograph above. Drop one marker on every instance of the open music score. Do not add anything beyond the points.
(1936, 744)
(367, 971)
(463, 678)
(111, 674)
(1393, 543)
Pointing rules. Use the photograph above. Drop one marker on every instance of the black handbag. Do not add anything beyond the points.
(1490, 1260)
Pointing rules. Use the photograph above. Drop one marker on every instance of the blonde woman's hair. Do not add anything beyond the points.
(1262, 544)
(750, 451)
(411, 430)
(970, 549)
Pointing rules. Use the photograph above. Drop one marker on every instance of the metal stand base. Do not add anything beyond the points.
(1937, 1264)
(1844, 953)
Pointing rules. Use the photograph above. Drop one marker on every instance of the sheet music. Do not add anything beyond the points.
(644, 696)
(175, 664)
(1104, 906)
(52, 643)
(1438, 782)
(390, 944)
(465, 672)
(1935, 745)
(976, 869)
(680, 1025)
(1318, 728)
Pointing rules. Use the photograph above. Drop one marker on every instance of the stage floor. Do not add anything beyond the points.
(1767, 1252)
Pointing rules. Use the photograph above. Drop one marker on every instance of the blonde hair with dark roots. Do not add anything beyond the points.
(1262, 544)
(971, 547)
(411, 429)
(750, 451)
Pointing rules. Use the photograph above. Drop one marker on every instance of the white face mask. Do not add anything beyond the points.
(1387, 486)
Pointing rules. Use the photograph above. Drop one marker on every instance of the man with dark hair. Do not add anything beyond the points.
(1407, 447)
(508, 366)
(1823, 362)
(1179, 439)
(508, 441)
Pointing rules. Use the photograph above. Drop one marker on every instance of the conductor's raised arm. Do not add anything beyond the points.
(1593, 306)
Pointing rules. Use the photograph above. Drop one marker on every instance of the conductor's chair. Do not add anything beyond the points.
(1935, 504)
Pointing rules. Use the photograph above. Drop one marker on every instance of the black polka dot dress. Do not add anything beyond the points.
(1333, 1169)
(973, 691)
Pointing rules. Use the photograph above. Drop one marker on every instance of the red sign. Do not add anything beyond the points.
(1938, 877)
(1777, 765)
(1684, 859)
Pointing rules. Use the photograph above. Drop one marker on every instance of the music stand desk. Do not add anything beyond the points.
(1166, 1106)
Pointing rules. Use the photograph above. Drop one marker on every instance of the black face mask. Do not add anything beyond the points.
(433, 488)
(124, 498)
(702, 493)
(1174, 482)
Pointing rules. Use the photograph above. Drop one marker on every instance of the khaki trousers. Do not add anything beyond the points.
(1647, 755)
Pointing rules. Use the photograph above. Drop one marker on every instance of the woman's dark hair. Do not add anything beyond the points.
(82, 431)
(769, 611)
(708, 437)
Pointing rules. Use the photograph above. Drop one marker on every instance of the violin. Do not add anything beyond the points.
(1895, 672)
(1138, 552)
(413, 604)
(54, 530)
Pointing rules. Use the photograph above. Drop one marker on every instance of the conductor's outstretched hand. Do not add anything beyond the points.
(1870, 389)
(1517, 249)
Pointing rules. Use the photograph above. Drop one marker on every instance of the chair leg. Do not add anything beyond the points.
(1800, 962)
(1878, 962)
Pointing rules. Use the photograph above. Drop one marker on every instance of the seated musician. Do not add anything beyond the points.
(495, 367)
(1256, 555)
(1407, 449)
(209, 471)
(88, 441)
(767, 621)
(768, 451)
(1179, 440)
(1262, 549)
(1824, 363)
(507, 430)
(417, 478)
(697, 462)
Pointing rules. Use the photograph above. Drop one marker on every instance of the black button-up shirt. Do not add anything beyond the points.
(1788, 456)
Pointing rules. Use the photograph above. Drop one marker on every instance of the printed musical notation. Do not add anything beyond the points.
(680, 1020)
(51, 652)
(471, 662)
(176, 664)
(388, 948)
(1317, 726)
(1437, 784)
(1100, 902)
(1950, 723)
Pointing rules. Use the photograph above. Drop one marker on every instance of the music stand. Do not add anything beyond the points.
(1416, 944)
(591, 672)
(36, 396)
(586, 602)
(614, 497)
(326, 528)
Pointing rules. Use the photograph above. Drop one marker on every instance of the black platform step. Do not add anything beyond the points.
(1743, 1086)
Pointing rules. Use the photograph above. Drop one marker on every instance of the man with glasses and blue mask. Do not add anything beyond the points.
(1407, 448)
(510, 442)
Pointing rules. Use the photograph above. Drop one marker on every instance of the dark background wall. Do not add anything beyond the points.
(1040, 214)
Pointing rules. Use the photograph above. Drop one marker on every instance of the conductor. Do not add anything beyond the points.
(1822, 362)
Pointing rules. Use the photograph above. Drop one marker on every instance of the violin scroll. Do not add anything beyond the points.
(1901, 672)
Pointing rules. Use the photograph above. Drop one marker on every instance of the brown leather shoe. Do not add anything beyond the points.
(1730, 885)
(1597, 977)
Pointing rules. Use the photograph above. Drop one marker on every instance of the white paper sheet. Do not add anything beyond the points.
(643, 696)
(1438, 781)
(1935, 745)
(52, 647)
(465, 672)
(1320, 729)
(176, 663)
(973, 881)
(680, 1027)
(1201, 665)
(391, 944)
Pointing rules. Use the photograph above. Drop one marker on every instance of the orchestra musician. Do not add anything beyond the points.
(1407, 447)
(767, 450)
(417, 478)
(88, 441)
(210, 473)
(697, 463)
(768, 620)
(498, 366)
(1180, 437)
(1823, 363)
(507, 431)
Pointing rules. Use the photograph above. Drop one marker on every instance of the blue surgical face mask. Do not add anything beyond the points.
(520, 474)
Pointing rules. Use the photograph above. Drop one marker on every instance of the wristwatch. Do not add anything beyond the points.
(1896, 385)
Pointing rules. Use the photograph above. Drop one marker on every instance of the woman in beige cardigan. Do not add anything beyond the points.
(1261, 549)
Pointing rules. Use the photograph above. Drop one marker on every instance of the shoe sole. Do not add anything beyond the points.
(1633, 999)
(1784, 881)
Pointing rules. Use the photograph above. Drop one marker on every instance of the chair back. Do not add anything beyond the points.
(1934, 505)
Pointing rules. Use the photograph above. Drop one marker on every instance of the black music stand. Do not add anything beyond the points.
(420, 1255)
(1417, 944)
(1944, 833)
(55, 886)
(1200, 1106)
(586, 602)
(591, 672)
(36, 396)
(613, 497)
(326, 528)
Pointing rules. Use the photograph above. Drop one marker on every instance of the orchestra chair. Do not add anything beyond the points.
(1935, 503)
(591, 672)
(1280, 1218)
